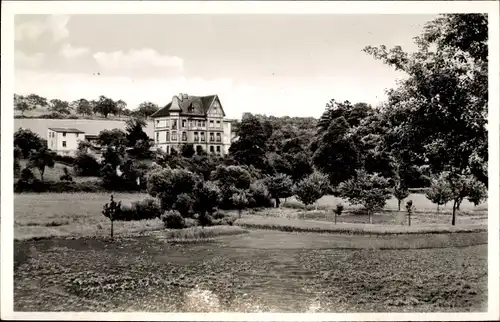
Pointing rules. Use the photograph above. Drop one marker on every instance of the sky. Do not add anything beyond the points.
(263, 64)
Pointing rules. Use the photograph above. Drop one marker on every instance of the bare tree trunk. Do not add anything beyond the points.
(438, 207)
(370, 217)
(409, 218)
(112, 221)
(453, 219)
(239, 213)
(399, 205)
(335, 216)
(277, 202)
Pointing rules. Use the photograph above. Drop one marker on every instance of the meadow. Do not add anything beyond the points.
(64, 262)
(40, 126)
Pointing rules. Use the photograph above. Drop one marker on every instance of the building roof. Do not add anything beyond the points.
(188, 106)
(65, 130)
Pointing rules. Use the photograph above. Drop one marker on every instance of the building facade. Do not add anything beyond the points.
(196, 120)
(64, 141)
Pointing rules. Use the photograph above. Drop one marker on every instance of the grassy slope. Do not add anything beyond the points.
(56, 172)
(79, 214)
(246, 273)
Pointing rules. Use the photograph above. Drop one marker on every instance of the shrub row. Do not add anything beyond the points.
(290, 225)
(58, 186)
(145, 209)
(66, 159)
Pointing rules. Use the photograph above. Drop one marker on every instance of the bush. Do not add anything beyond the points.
(65, 159)
(66, 176)
(440, 191)
(311, 188)
(147, 208)
(36, 185)
(86, 165)
(258, 195)
(173, 220)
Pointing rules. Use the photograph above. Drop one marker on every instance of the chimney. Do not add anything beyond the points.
(185, 96)
(180, 96)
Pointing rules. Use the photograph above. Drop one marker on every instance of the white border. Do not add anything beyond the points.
(265, 7)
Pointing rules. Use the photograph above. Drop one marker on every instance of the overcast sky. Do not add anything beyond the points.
(268, 64)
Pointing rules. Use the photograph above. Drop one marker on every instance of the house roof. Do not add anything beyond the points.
(65, 130)
(189, 106)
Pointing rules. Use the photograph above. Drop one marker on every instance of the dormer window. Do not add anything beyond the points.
(191, 108)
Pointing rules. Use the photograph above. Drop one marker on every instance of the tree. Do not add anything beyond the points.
(137, 138)
(312, 188)
(167, 184)
(35, 101)
(59, 106)
(83, 106)
(440, 191)
(41, 159)
(477, 192)
(445, 97)
(336, 154)
(146, 109)
(120, 107)
(232, 175)
(279, 186)
(187, 150)
(112, 211)
(240, 201)
(410, 209)
(250, 147)
(27, 141)
(207, 198)
(114, 138)
(400, 192)
(338, 211)
(105, 106)
(86, 165)
(369, 190)
(21, 104)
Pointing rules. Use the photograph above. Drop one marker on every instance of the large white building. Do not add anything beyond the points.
(196, 120)
(64, 141)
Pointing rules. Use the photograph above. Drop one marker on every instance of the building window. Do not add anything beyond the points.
(196, 137)
(157, 137)
(211, 149)
(218, 149)
(174, 136)
(183, 123)
(212, 138)
(168, 149)
(218, 124)
(190, 123)
(184, 136)
(64, 133)
(174, 124)
(199, 123)
(168, 136)
(204, 123)
(199, 149)
(64, 144)
(211, 123)
(218, 137)
(202, 134)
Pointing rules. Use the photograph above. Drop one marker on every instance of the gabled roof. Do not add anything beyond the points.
(65, 130)
(189, 106)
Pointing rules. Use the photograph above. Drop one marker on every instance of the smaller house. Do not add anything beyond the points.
(64, 141)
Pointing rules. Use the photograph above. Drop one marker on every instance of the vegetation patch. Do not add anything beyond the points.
(260, 222)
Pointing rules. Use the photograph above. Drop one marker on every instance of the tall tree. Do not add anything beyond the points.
(146, 109)
(105, 106)
(41, 159)
(59, 106)
(250, 147)
(120, 107)
(27, 141)
(445, 97)
(83, 106)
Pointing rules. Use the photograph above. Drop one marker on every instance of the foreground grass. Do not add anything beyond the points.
(147, 274)
(71, 214)
(281, 224)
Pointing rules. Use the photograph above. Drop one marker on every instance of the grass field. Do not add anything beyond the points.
(243, 270)
(263, 271)
(55, 173)
(40, 126)
(79, 214)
